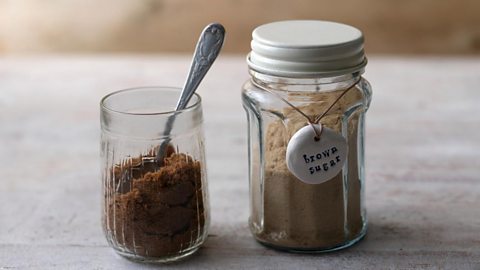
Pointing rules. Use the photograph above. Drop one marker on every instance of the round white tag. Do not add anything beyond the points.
(316, 161)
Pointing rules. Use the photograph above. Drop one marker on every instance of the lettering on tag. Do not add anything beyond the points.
(316, 161)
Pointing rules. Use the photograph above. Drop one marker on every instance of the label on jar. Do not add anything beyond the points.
(316, 160)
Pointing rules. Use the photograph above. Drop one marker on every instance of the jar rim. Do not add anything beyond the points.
(303, 74)
(188, 108)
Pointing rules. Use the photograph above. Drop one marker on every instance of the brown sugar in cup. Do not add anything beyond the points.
(162, 213)
(155, 206)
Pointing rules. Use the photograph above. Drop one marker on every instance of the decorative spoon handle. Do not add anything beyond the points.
(208, 47)
(207, 50)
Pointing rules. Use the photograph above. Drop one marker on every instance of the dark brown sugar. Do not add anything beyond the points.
(156, 211)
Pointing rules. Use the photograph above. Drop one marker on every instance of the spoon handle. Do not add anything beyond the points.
(207, 50)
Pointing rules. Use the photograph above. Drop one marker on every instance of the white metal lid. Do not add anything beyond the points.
(305, 48)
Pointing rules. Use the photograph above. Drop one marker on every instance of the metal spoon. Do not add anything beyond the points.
(208, 47)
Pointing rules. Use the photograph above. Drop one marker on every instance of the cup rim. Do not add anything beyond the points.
(191, 107)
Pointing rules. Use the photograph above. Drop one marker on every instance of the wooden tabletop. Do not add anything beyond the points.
(422, 174)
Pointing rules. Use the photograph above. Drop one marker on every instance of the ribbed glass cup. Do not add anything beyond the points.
(155, 203)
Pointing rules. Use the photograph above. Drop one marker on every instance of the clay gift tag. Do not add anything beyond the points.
(316, 161)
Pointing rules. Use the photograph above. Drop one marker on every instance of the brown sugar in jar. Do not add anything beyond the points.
(302, 70)
(316, 214)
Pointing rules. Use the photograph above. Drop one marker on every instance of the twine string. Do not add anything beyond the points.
(313, 121)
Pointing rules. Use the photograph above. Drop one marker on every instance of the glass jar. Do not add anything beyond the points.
(285, 212)
(155, 204)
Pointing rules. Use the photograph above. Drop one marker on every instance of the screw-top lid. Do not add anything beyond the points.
(306, 48)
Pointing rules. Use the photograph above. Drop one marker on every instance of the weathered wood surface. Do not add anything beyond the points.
(423, 164)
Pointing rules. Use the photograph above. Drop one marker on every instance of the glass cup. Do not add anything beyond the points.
(155, 197)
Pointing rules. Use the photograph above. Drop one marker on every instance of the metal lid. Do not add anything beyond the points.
(306, 48)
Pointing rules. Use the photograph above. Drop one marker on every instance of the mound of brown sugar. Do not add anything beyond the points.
(156, 211)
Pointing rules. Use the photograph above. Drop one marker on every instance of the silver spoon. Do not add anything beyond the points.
(208, 47)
